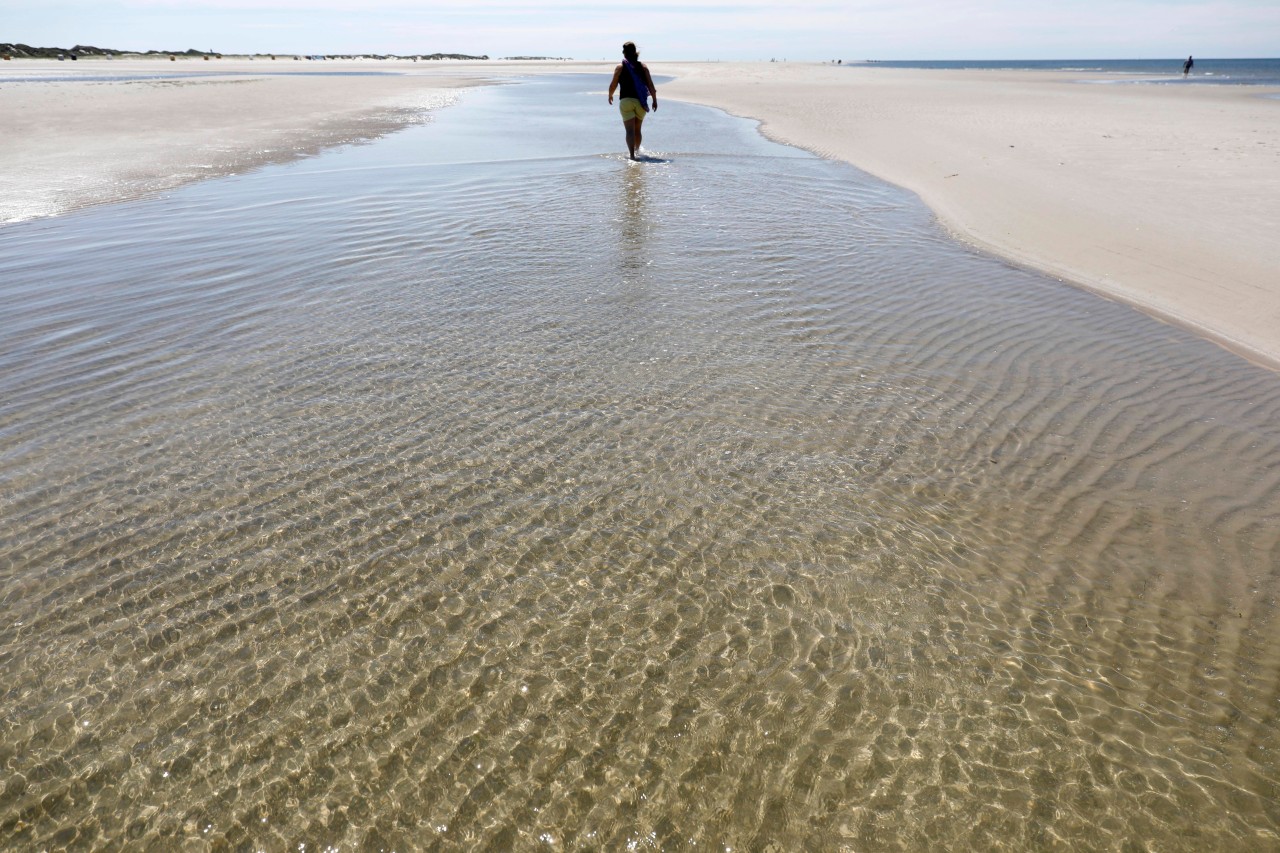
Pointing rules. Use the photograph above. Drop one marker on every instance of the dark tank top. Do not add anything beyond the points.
(626, 85)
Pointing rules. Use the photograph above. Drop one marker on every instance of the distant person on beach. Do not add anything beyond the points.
(1187, 66)
(637, 88)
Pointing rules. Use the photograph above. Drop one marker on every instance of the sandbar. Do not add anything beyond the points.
(96, 130)
(1166, 197)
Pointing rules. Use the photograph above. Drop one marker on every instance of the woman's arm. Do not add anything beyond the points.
(653, 90)
(613, 84)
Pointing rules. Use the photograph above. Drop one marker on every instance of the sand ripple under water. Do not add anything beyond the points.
(451, 494)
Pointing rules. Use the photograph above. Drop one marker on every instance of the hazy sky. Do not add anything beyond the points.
(664, 29)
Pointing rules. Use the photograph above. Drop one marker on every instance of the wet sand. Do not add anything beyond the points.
(1166, 197)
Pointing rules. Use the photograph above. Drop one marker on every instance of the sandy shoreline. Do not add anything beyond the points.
(1166, 197)
(86, 141)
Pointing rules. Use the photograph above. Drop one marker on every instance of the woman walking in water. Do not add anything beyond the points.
(637, 88)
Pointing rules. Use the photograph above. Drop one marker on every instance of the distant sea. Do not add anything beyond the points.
(1240, 72)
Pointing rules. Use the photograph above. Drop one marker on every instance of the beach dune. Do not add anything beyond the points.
(1165, 197)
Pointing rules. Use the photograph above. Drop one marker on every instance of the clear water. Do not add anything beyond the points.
(479, 489)
(1247, 72)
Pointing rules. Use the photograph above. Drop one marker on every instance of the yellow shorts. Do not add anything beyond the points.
(631, 108)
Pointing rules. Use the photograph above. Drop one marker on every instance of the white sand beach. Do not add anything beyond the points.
(1166, 197)
(85, 140)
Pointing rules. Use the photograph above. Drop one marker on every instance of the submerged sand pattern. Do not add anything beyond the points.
(389, 506)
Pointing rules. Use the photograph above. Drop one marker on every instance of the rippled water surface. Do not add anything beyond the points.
(478, 488)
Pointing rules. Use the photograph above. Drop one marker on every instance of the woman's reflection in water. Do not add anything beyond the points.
(635, 223)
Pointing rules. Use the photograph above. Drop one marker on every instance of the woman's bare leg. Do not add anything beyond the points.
(633, 135)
